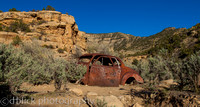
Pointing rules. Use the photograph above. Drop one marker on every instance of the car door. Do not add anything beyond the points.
(102, 73)
(116, 69)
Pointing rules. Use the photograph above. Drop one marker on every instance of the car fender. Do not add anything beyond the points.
(130, 74)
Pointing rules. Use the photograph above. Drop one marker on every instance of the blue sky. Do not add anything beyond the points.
(136, 17)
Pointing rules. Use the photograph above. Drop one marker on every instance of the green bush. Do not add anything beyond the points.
(21, 65)
(1, 27)
(191, 68)
(37, 65)
(153, 70)
(16, 40)
(48, 46)
(185, 52)
(101, 103)
(47, 66)
(41, 22)
(50, 8)
(135, 62)
(60, 50)
(18, 25)
(13, 10)
(75, 71)
(78, 52)
(184, 71)
(14, 65)
(5, 52)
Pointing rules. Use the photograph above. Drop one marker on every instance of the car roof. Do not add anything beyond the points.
(97, 54)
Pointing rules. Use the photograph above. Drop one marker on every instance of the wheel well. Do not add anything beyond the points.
(130, 80)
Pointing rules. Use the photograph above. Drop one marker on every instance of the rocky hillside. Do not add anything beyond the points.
(52, 29)
(115, 41)
(177, 42)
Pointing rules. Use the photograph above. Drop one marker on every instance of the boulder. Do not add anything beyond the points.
(137, 105)
(76, 91)
(112, 101)
(91, 94)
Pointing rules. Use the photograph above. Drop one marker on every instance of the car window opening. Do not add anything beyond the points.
(85, 59)
(104, 61)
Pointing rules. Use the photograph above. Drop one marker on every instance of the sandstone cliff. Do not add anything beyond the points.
(49, 27)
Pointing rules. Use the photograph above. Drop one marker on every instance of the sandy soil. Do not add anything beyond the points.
(44, 95)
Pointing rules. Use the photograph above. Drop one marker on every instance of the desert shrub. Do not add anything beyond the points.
(14, 64)
(197, 26)
(50, 8)
(91, 49)
(48, 46)
(43, 33)
(18, 25)
(29, 63)
(60, 50)
(41, 22)
(13, 10)
(184, 71)
(17, 65)
(59, 74)
(50, 67)
(191, 69)
(1, 11)
(184, 52)
(36, 65)
(33, 22)
(1, 27)
(71, 72)
(153, 70)
(135, 62)
(20, 66)
(5, 52)
(16, 40)
(101, 103)
(164, 98)
(78, 52)
(75, 71)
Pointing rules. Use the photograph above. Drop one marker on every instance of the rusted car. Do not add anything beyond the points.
(106, 70)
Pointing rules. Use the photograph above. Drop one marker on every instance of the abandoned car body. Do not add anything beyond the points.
(106, 70)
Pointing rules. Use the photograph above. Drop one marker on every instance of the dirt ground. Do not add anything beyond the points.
(76, 95)
(45, 95)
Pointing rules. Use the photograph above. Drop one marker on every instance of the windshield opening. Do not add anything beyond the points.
(85, 59)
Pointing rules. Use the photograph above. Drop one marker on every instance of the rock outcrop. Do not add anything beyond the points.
(49, 27)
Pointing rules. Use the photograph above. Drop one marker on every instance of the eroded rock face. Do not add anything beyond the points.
(50, 27)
